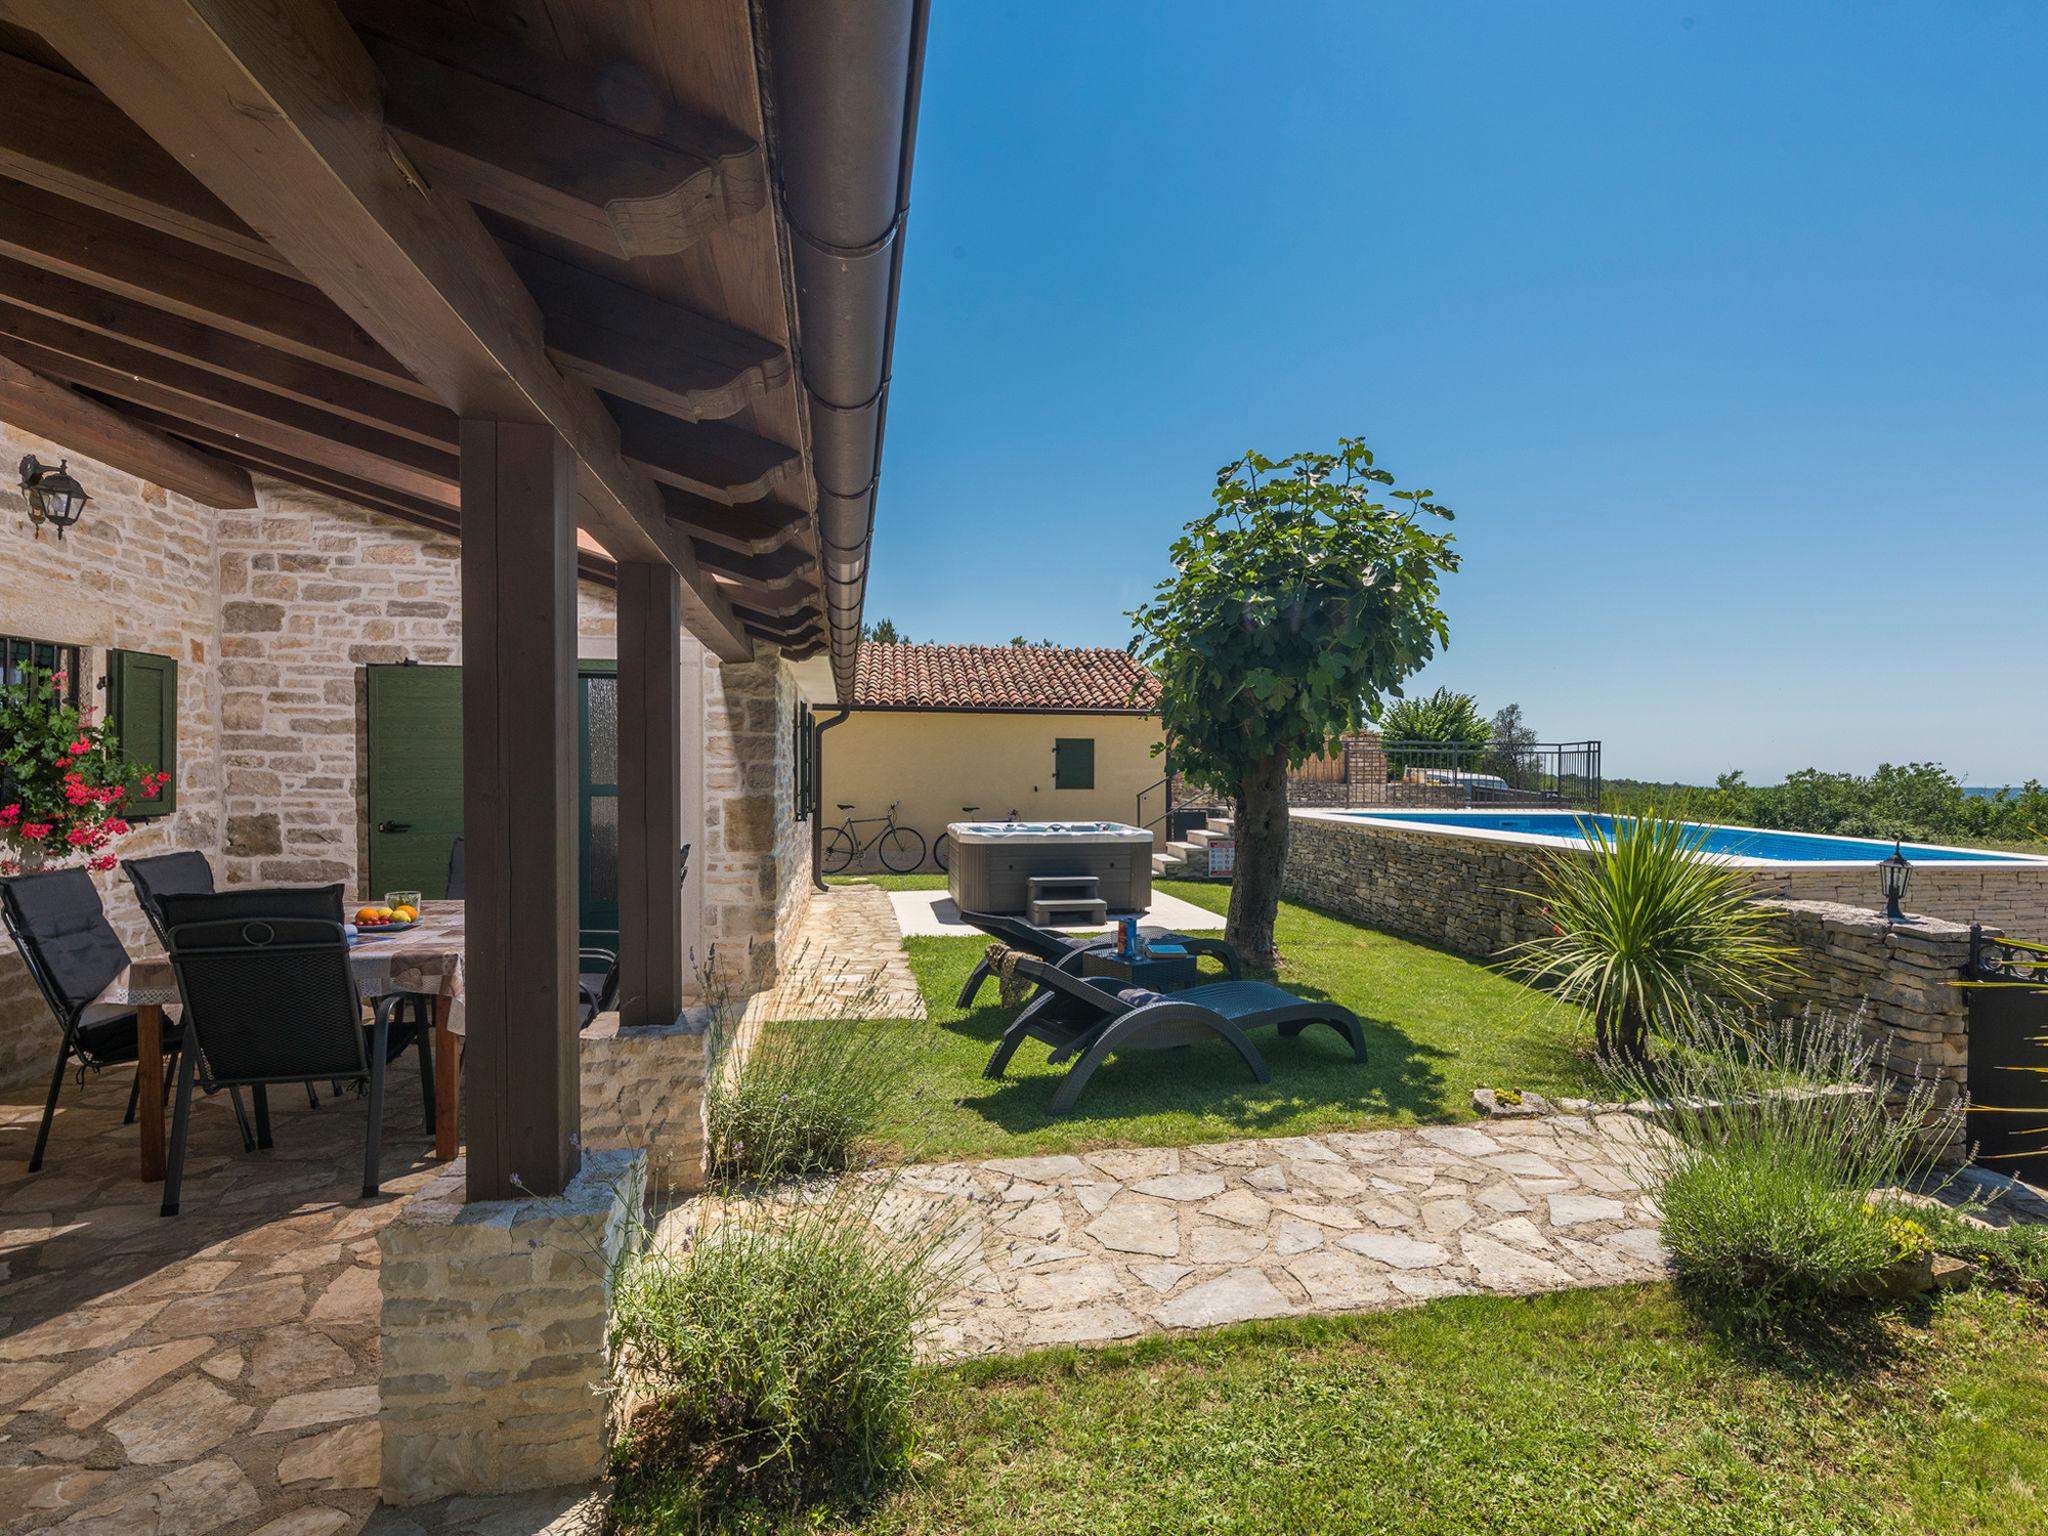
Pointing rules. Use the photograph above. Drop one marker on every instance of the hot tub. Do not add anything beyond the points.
(994, 861)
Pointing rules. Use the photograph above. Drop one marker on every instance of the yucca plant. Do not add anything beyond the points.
(1644, 926)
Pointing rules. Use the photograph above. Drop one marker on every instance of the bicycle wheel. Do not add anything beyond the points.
(839, 850)
(902, 850)
(942, 851)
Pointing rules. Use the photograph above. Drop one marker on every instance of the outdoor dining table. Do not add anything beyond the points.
(425, 961)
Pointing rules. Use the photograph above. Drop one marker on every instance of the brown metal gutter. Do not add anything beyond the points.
(841, 140)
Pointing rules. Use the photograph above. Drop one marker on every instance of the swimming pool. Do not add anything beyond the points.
(1748, 845)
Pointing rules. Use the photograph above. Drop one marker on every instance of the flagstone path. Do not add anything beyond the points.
(847, 961)
(1102, 1246)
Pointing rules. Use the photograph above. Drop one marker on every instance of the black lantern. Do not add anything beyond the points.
(1896, 873)
(53, 496)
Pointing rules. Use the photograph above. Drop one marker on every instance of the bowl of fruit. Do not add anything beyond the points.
(371, 921)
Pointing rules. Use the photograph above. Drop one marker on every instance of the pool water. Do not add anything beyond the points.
(1737, 842)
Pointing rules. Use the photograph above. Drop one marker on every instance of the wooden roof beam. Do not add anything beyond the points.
(640, 348)
(96, 315)
(179, 390)
(752, 528)
(558, 170)
(279, 111)
(94, 430)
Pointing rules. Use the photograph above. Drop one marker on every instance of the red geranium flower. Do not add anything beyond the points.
(63, 762)
(9, 814)
(103, 862)
(35, 831)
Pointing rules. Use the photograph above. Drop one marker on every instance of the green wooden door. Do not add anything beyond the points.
(415, 790)
(597, 717)
(415, 753)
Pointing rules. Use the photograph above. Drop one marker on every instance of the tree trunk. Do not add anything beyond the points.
(1259, 819)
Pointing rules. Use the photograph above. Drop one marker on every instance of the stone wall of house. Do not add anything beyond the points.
(756, 854)
(312, 591)
(137, 573)
(272, 614)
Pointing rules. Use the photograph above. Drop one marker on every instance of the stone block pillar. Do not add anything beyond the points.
(494, 1324)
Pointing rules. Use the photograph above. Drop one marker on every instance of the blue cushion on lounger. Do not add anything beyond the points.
(1138, 997)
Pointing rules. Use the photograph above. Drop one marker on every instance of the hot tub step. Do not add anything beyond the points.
(1061, 913)
(1065, 887)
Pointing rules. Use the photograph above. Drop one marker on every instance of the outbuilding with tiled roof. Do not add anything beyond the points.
(1038, 732)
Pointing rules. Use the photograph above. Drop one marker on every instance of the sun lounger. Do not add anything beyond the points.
(1090, 1019)
(1065, 950)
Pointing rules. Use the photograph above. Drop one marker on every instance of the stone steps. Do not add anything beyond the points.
(1188, 859)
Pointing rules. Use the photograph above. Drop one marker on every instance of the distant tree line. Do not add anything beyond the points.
(1920, 802)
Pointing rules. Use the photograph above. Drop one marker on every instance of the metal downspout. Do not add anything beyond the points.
(818, 730)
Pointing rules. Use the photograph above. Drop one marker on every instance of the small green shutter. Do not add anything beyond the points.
(1073, 762)
(142, 704)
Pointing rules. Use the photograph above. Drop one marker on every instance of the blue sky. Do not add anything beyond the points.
(1723, 327)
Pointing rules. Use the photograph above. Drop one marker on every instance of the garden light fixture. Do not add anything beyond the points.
(53, 495)
(1896, 873)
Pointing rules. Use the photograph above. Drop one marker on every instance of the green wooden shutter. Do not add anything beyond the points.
(142, 704)
(1073, 762)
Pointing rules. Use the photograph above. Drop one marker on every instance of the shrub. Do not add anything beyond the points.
(801, 1099)
(1779, 1137)
(1642, 926)
(773, 1354)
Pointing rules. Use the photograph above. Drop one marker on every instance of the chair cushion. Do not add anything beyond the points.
(1138, 997)
(59, 918)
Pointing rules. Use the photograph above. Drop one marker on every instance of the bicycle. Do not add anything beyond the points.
(942, 850)
(901, 849)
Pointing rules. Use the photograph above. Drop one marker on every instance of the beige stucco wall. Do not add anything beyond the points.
(935, 762)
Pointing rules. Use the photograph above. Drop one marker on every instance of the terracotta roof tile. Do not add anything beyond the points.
(1002, 677)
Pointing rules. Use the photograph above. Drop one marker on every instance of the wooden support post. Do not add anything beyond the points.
(522, 1088)
(650, 798)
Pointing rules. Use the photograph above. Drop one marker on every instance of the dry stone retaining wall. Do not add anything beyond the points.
(1457, 892)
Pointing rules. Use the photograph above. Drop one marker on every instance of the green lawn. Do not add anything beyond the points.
(1589, 1413)
(1437, 1025)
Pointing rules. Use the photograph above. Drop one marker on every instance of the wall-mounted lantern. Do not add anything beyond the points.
(53, 495)
(1896, 873)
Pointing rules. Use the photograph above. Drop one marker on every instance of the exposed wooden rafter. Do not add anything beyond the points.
(192, 394)
(640, 348)
(95, 313)
(279, 111)
(750, 529)
(584, 180)
(88, 426)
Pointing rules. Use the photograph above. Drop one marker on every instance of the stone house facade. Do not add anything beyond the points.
(272, 613)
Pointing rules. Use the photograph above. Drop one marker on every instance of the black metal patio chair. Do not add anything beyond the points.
(270, 998)
(1094, 1017)
(1065, 950)
(180, 874)
(458, 880)
(57, 922)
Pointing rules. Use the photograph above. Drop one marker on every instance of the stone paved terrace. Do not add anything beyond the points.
(1109, 1245)
(211, 1372)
